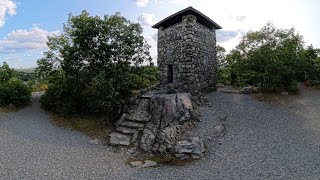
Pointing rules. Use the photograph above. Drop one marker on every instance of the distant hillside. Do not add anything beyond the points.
(27, 70)
(26, 74)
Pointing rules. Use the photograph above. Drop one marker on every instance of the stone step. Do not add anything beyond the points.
(130, 124)
(120, 139)
(126, 130)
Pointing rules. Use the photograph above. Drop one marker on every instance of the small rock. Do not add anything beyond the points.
(223, 118)
(94, 141)
(219, 130)
(136, 163)
(148, 163)
(247, 90)
(285, 93)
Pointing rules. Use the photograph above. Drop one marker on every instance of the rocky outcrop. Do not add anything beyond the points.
(156, 121)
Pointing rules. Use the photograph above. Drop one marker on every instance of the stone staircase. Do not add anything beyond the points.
(130, 126)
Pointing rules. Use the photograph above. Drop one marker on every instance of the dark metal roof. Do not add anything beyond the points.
(177, 17)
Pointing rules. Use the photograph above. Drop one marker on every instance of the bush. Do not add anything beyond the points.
(293, 88)
(144, 76)
(14, 92)
(37, 86)
(224, 76)
(275, 59)
(99, 61)
(97, 97)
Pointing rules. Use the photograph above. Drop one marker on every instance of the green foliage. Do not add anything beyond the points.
(90, 67)
(144, 76)
(6, 73)
(59, 98)
(12, 90)
(224, 76)
(37, 86)
(44, 68)
(221, 56)
(272, 58)
(25, 76)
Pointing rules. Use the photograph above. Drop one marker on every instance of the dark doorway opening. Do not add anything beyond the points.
(170, 73)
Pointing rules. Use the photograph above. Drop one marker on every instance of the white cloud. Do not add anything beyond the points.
(25, 40)
(226, 35)
(146, 19)
(141, 3)
(6, 7)
(241, 18)
(155, 37)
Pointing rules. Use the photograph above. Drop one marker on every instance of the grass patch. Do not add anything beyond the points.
(94, 127)
(162, 159)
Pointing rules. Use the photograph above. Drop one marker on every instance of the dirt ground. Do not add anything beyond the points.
(305, 104)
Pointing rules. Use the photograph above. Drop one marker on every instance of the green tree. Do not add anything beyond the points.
(96, 55)
(221, 56)
(269, 57)
(44, 68)
(6, 72)
(310, 64)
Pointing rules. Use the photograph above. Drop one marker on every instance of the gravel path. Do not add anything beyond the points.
(263, 141)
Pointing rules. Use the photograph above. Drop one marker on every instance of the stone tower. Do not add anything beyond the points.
(187, 51)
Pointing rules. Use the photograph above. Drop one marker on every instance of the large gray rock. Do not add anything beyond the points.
(192, 147)
(156, 122)
(171, 116)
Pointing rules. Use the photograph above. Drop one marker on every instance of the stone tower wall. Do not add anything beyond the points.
(190, 48)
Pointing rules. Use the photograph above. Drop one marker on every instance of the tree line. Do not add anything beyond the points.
(271, 58)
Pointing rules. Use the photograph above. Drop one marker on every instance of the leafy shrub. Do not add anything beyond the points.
(224, 76)
(99, 65)
(37, 86)
(6, 73)
(26, 75)
(293, 88)
(14, 92)
(59, 99)
(143, 76)
(272, 58)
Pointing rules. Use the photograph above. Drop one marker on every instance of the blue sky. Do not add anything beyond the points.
(25, 24)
